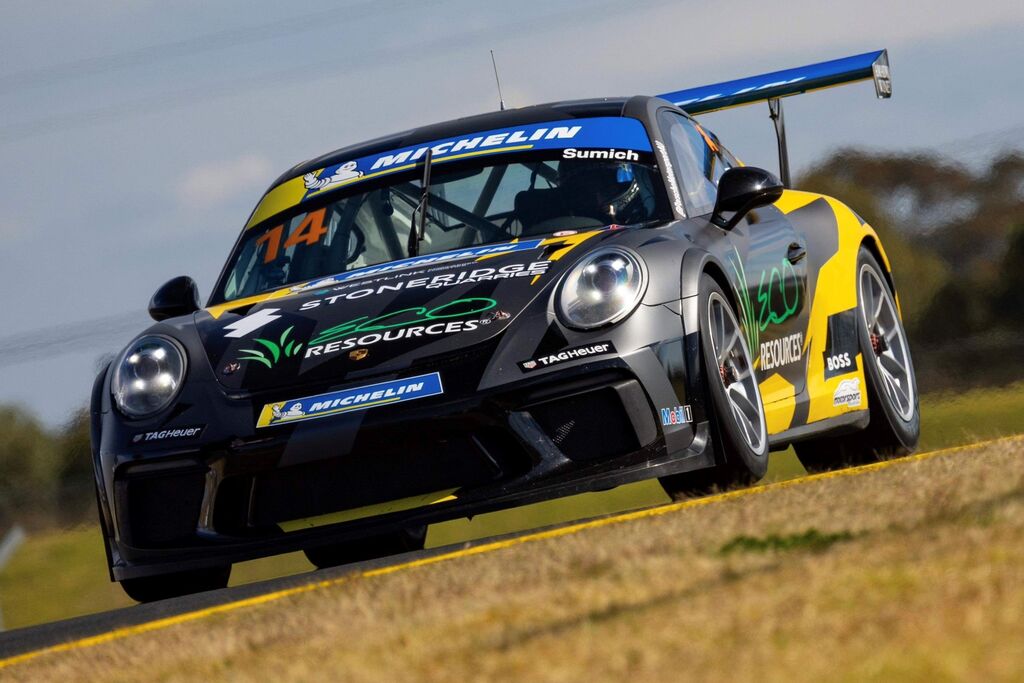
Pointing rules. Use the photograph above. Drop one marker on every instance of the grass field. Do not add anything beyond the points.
(911, 572)
(61, 574)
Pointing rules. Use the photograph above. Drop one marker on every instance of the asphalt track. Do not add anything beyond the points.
(29, 643)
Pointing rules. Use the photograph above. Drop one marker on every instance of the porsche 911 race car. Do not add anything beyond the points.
(495, 311)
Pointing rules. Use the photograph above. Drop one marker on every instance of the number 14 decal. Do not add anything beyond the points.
(310, 231)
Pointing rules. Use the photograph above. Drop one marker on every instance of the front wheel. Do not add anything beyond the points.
(737, 416)
(361, 549)
(164, 586)
(895, 420)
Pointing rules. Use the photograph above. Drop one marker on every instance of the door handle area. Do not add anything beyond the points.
(796, 252)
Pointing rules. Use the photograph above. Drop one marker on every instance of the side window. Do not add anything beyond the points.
(697, 166)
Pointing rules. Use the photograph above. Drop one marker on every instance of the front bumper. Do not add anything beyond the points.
(588, 427)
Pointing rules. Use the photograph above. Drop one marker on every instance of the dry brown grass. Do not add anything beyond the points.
(914, 572)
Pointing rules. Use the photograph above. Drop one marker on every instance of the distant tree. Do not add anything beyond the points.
(1008, 302)
(28, 463)
(74, 477)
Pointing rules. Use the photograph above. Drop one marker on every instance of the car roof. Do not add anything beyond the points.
(553, 111)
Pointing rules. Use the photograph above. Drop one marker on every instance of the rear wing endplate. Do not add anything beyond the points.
(771, 87)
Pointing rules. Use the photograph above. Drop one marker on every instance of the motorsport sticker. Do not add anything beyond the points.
(598, 349)
(350, 400)
(847, 394)
(676, 416)
(168, 434)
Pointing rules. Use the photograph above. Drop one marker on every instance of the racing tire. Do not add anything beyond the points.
(373, 547)
(739, 431)
(164, 586)
(895, 419)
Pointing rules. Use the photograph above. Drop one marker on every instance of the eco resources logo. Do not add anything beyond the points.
(775, 303)
(272, 351)
(405, 323)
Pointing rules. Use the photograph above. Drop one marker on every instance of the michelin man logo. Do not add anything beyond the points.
(347, 171)
(294, 411)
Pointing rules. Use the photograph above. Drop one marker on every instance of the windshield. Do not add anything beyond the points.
(471, 202)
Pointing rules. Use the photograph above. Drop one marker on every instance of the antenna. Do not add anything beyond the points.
(501, 100)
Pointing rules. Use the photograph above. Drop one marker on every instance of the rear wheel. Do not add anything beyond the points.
(737, 417)
(370, 548)
(895, 421)
(164, 586)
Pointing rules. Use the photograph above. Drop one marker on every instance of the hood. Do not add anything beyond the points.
(381, 318)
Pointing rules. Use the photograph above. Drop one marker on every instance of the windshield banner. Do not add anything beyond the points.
(611, 133)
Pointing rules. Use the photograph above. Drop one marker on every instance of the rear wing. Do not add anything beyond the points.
(771, 87)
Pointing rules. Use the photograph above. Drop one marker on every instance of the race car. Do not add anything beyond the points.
(495, 311)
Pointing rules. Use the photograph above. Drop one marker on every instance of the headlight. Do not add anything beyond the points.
(148, 376)
(601, 289)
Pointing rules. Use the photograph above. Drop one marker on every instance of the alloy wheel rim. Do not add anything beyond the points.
(736, 372)
(889, 348)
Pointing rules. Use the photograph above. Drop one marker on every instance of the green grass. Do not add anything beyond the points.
(62, 573)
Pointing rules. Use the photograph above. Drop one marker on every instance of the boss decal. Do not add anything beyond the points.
(841, 344)
(577, 352)
(350, 400)
(169, 434)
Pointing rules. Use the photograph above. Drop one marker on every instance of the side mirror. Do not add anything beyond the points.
(179, 296)
(742, 189)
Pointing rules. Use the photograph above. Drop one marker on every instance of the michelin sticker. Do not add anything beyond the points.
(847, 394)
(346, 171)
(350, 400)
(591, 133)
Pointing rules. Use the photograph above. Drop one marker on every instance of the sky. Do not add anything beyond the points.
(136, 135)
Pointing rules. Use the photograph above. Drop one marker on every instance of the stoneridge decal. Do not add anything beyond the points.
(354, 291)
(459, 255)
(350, 400)
(676, 416)
(168, 434)
(575, 353)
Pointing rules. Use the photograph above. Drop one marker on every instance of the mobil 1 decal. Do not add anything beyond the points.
(841, 344)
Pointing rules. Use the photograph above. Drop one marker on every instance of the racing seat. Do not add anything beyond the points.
(537, 206)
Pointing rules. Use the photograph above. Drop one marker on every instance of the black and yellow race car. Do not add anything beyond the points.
(495, 311)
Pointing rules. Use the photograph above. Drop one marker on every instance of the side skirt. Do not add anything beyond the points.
(832, 426)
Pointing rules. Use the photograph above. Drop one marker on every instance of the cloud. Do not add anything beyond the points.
(217, 182)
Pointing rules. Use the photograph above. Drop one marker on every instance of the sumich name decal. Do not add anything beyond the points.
(350, 400)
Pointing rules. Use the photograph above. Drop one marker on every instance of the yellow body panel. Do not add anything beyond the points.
(836, 291)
